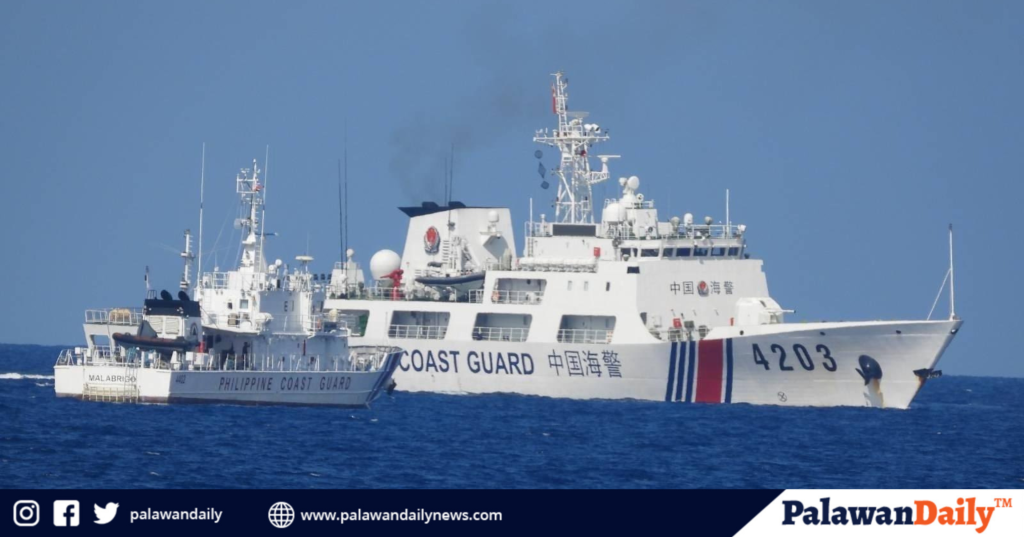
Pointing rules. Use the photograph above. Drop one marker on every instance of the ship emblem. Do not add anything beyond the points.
(431, 241)
(702, 288)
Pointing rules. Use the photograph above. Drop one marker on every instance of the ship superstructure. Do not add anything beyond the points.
(255, 334)
(631, 306)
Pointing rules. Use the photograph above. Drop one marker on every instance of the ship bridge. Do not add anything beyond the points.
(630, 231)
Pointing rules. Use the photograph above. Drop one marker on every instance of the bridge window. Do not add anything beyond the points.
(700, 252)
(734, 251)
(718, 252)
(649, 252)
(682, 252)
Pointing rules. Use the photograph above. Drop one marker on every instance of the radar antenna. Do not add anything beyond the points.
(573, 138)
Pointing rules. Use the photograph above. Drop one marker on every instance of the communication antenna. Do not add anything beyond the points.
(202, 189)
(345, 213)
(341, 215)
(451, 185)
(263, 215)
(728, 227)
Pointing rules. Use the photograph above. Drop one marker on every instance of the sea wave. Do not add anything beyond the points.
(24, 376)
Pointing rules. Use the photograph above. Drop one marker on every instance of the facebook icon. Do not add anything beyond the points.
(65, 513)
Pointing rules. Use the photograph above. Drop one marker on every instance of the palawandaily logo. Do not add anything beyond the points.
(924, 513)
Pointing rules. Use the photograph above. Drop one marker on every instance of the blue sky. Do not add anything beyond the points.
(850, 134)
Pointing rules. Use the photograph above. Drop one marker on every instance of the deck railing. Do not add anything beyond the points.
(581, 335)
(114, 316)
(500, 333)
(417, 331)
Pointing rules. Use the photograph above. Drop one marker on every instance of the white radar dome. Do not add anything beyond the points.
(383, 263)
(612, 213)
(492, 217)
(688, 219)
(633, 183)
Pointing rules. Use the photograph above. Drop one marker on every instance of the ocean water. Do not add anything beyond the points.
(962, 432)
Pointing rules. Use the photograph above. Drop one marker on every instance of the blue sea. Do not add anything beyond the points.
(962, 432)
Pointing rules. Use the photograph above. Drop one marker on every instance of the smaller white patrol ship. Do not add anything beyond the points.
(254, 335)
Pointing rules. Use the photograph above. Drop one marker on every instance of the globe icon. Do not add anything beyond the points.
(281, 515)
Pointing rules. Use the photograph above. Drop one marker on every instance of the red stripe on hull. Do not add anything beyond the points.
(709, 371)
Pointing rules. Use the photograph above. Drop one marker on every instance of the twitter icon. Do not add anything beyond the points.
(105, 514)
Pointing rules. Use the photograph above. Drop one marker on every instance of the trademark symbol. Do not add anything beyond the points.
(1004, 502)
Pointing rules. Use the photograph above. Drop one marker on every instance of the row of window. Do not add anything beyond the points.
(487, 326)
(672, 253)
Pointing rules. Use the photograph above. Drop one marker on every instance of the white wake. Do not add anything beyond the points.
(24, 376)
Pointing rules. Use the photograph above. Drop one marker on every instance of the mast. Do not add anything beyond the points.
(187, 256)
(263, 213)
(573, 138)
(202, 189)
(250, 191)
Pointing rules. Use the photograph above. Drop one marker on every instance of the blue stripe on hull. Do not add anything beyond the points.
(679, 373)
(671, 374)
(728, 370)
(691, 361)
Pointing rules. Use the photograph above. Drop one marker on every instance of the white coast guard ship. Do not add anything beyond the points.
(254, 335)
(630, 307)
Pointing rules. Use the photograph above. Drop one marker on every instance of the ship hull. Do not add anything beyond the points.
(117, 383)
(873, 364)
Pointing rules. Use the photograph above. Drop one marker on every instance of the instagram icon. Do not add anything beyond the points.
(26, 513)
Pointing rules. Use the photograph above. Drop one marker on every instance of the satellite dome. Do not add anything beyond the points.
(383, 263)
(612, 213)
(633, 183)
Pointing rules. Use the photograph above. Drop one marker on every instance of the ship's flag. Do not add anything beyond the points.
(554, 101)
(542, 170)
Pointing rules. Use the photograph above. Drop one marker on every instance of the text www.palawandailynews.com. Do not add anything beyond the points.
(419, 515)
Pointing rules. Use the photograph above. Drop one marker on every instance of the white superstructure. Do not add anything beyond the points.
(256, 334)
(633, 306)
